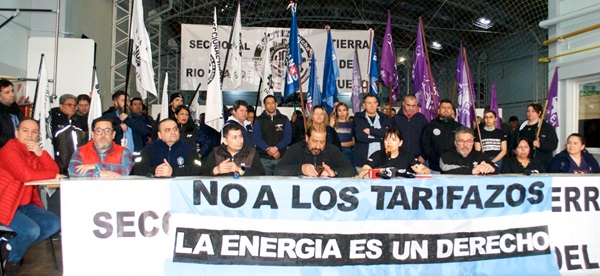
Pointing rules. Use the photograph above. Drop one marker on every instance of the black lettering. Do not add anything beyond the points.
(381, 190)
(586, 258)
(200, 189)
(165, 222)
(570, 255)
(192, 44)
(122, 223)
(537, 193)
(346, 195)
(100, 220)
(571, 196)
(556, 198)
(450, 197)
(591, 197)
(472, 197)
(421, 198)
(558, 257)
(399, 191)
(345, 64)
(270, 200)
(509, 194)
(351, 44)
(296, 204)
(439, 198)
(142, 224)
(490, 202)
(243, 195)
(317, 198)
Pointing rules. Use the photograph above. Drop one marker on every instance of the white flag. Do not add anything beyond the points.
(214, 96)
(142, 53)
(195, 106)
(164, 109)
(235, 68)
(266, 86)
(95, 104)
(42, 107)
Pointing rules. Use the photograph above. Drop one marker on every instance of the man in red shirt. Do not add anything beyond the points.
(23, 160)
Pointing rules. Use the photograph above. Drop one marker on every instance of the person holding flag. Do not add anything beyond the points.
(545, 140)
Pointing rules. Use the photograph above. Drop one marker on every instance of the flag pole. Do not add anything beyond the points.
(129, 54)
(537, 135)
(464, 51)
(37, 86)
(369, 67)
(435, 104)
(228, 48)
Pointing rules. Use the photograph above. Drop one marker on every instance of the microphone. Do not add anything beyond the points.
(529, 172)
(381, 173)
(405, 173)
(388, 152)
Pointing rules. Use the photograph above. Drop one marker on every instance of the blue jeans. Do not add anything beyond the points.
(32, 225)
(269, 165)
(347, 151)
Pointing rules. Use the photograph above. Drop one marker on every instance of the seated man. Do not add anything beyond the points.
(233, 156)
(314, 157)
(463, 159)
(168, 156)
(101, 157)
(23, 160)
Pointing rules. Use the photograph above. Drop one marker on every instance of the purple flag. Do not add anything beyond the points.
(466, 111)
(494, 106)
(356, 84)
(423, 83)
(389, 72)
(552, 111)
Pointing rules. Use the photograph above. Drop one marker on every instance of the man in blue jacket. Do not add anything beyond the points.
(369, 130)
(410, 122)
(272, 134)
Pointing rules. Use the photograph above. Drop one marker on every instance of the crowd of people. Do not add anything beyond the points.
(125, 140)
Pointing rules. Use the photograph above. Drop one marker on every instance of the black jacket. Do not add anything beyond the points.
(452, 162)
(438, 138)
(198, 139)
(361, 147)
(182, 157)
(298, 155)
(246, 156)
(63, 130)
(561, 163)
(412, 131)
(512, 165)
(7, 128)
(140, 128)
(246, 131)
(548, 140)
(272, 131)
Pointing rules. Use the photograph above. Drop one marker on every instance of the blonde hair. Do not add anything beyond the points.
(336, 119)
(310, 120)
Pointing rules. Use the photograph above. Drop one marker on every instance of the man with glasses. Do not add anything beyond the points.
(465, 160)
(65, 126)
(101, 157)
(168, 156)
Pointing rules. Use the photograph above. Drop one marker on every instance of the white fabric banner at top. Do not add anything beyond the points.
(195, 55)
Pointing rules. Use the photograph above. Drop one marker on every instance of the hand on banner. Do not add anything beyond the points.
(327, 171)
(163, 169)
(309, 170)
(83, 169)
(483, 168)
(34, 147)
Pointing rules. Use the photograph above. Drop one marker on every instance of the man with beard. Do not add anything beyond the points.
(101, 157)
(314, 157)
(168, 156)
(465, 160)
(439, 134)
(131, 130)
(10, 114)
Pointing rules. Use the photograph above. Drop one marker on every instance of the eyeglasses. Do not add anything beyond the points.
(106, 131)
(69, 105)
(467, 142)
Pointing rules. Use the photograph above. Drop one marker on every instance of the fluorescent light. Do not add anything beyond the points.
(483, 23)
(436, 45)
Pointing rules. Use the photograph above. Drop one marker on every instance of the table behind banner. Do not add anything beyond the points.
(441, 225)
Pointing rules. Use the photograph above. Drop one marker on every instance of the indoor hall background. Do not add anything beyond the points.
(506, 53)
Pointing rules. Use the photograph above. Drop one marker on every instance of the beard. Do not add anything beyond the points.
(316, 151)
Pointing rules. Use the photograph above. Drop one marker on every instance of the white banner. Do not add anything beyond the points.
(195, 54)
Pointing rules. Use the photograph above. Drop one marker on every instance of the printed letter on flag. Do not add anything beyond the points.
(552, 110)
(236, 50)
(214, 96)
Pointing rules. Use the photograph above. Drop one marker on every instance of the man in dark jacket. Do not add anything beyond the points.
(369, 130)
(410, 122)
(132, 130)
(438, 135)
(168, 156)
(233, 156)
(65, 125)
(314, 157)
(272, 134)
(465, 160)
(10, 114)
(239, 116)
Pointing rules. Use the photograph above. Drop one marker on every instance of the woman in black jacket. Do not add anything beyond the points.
(188, 131)
(522, 162)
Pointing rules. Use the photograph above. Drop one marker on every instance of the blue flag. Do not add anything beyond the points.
(314, 91)
(373, 71)
(331, 71)
(294, 57)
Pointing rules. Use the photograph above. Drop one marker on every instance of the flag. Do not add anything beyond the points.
(389, 72)
(42, 108)
(214, 96)
(466, 109)
(552, 110)
(164, 108)
(423, 83)
(235, 68)
(373, 70)
(266, 85)
(314, 92)
(331, 72)
(356, 84)
(142, 53)
(494, 106)
(294, 59)
(95, 104)
(195, 106)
